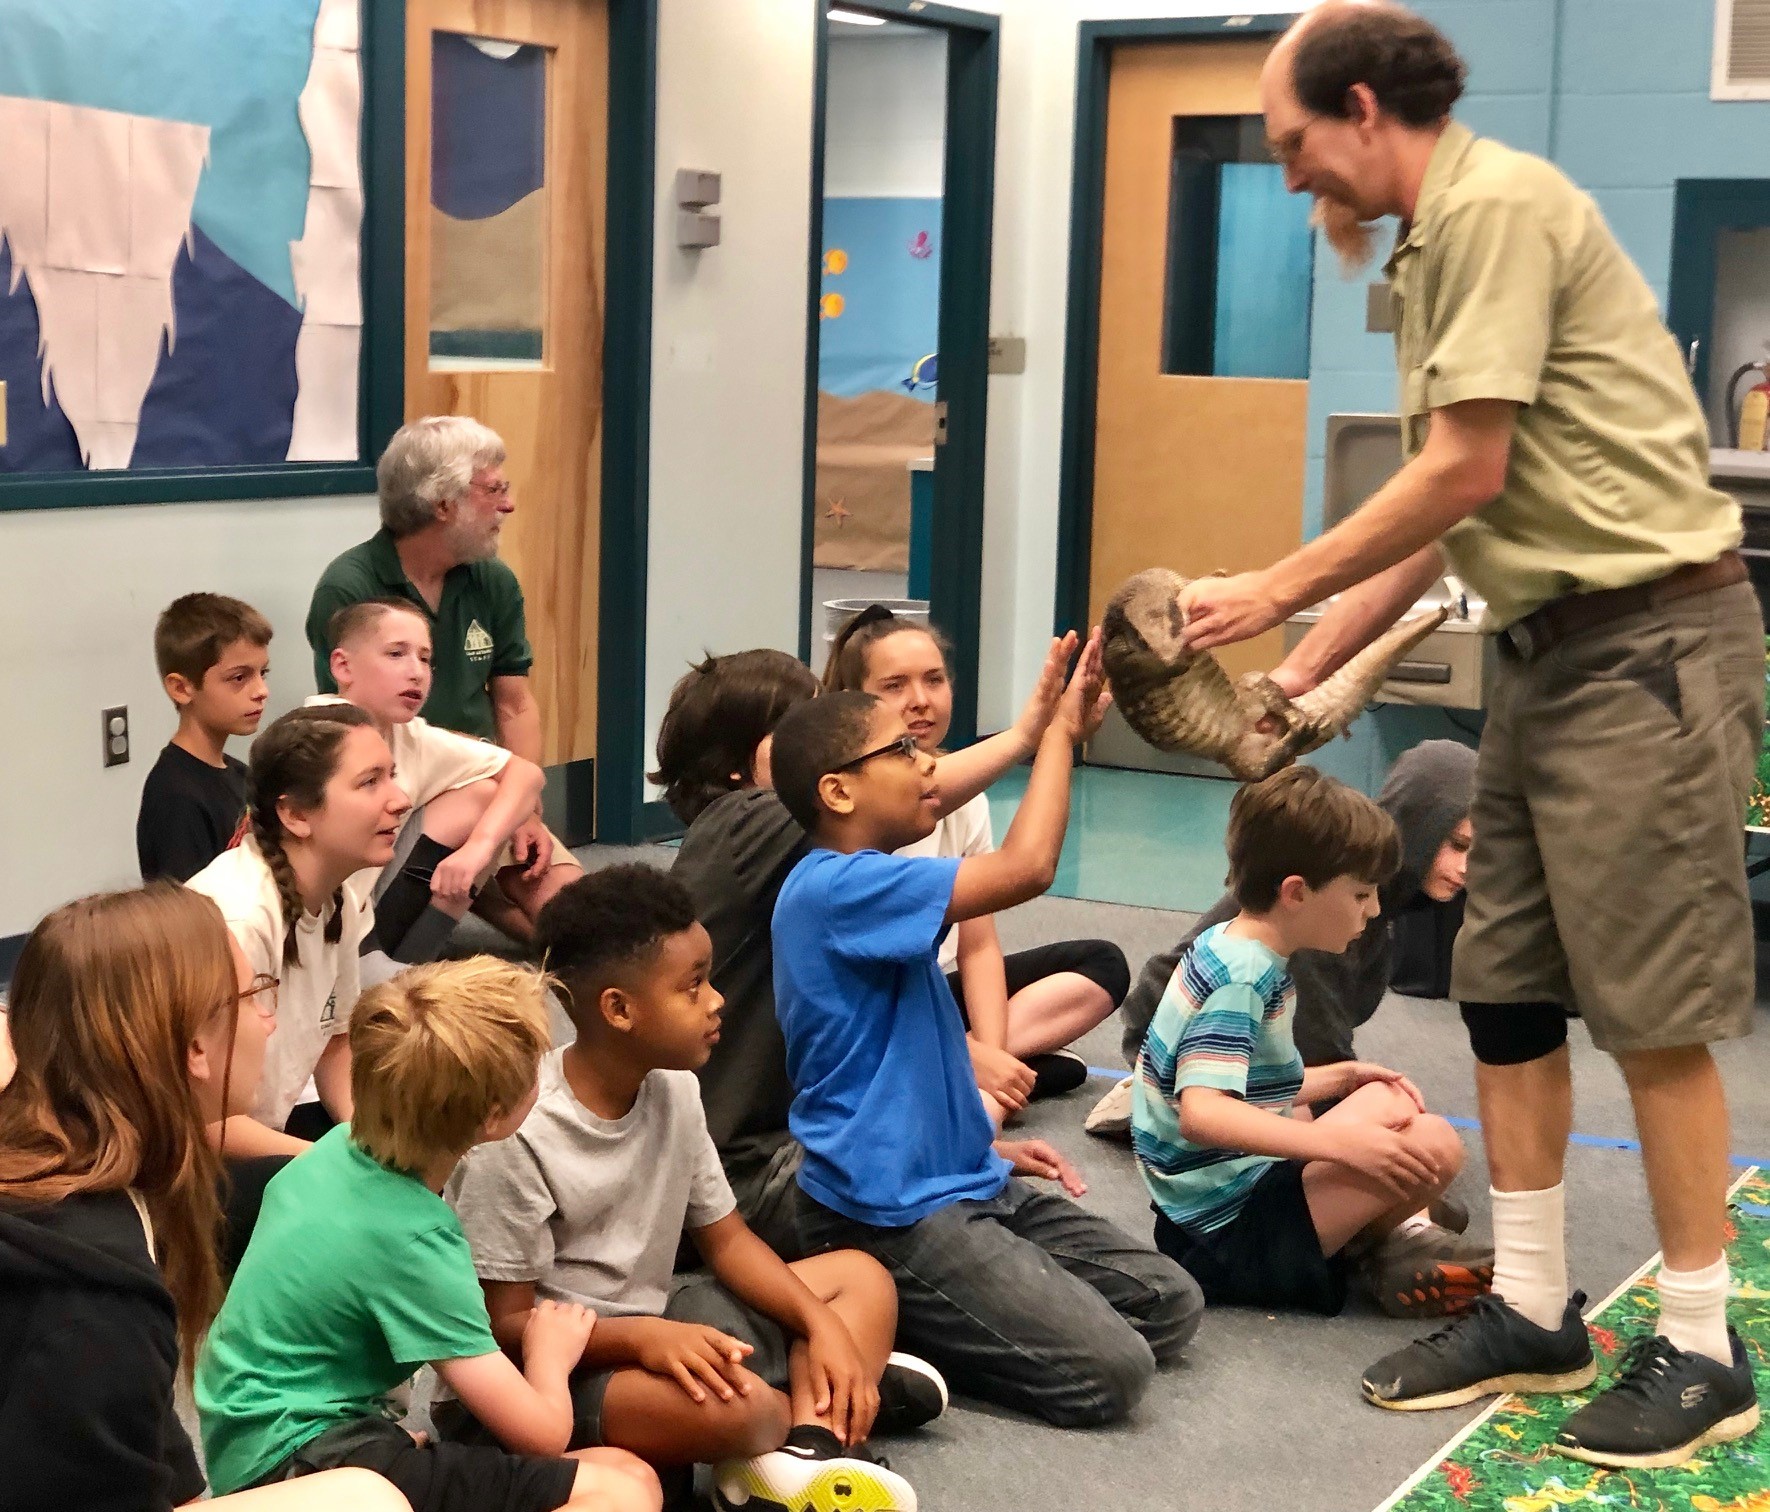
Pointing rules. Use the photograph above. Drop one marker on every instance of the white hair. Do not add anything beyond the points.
(429, 462)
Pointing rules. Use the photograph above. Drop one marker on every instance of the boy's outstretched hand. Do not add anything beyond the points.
(1362, 1073)
(1033, 1157)
(844, 1395)
(1036, 717)
(1087, 697)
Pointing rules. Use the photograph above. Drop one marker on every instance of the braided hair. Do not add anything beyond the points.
(294, 759)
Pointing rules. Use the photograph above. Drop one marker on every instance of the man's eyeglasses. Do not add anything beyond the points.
(1283, 150)
(499, 490)
(905, 746)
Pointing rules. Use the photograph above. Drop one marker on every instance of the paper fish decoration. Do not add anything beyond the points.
(924, 375)
(922, 246)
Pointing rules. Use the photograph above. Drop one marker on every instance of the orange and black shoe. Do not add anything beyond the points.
(1424, 1271)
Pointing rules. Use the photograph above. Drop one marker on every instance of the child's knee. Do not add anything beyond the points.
(1435, 1139)
(354, 1490)
(865, 1282)
(450, 818)
(749, 1424)
(612, 1480)
(1104, 1385)
(1381, 1101)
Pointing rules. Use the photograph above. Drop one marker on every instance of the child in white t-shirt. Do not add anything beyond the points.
(1020, 1010)
(474, 795)
(322, 805)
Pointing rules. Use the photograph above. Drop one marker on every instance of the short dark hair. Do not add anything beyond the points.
(719, 712)
(606, 922)
(813, 740)
(1409, 65)
(194, 630)
(1302, 823)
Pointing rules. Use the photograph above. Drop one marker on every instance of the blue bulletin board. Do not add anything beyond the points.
(191, 242)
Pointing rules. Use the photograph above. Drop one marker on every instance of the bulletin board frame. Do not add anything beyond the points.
(381, 376)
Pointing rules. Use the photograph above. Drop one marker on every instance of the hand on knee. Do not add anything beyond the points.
(1439, 1145)
(749, 1424)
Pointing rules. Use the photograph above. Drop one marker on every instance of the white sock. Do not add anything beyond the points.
(1530, 1253)
(1693, 1310)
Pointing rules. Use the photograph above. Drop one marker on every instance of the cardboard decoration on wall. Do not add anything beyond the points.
(153, 314)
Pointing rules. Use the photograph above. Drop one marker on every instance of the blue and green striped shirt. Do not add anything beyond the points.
(1224, 1022)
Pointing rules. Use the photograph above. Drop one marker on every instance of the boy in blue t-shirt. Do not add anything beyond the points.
(1264, 1206)
(1017, 1296)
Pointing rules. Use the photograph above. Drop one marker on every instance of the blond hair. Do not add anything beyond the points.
(440, 1049)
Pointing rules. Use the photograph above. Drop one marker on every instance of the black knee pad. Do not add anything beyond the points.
(1509, 1034)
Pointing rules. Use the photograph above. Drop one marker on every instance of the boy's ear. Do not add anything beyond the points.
(179, 688)
(339, 663)
(616, 1009)
(1292, 891)
(835, 794)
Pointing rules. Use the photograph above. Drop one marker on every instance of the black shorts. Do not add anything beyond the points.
(437, 1477)
(1100, 961)
(1268, 1255)
(696, 1297)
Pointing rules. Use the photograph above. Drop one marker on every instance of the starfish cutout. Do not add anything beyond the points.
(837, 511)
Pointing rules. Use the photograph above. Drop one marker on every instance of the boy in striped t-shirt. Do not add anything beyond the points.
(1262, 1203)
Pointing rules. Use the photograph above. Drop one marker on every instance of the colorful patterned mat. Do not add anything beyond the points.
(1505, 1460)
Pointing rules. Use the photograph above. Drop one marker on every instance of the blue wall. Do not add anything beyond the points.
(887, 251)
(1614, 91)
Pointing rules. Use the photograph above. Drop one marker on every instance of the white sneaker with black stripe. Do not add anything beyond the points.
(811, 1472)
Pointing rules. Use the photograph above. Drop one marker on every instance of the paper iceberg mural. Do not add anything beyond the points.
(148, 315)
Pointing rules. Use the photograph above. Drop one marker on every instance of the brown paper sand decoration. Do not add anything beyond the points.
(1181, 700)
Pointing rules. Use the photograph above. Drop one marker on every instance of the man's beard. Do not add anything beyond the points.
(470, 545)
(1354, 241)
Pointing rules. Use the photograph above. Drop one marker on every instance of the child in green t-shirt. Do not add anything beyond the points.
(358, 1273)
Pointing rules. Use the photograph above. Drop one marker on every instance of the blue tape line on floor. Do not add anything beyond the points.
(1591, 1141)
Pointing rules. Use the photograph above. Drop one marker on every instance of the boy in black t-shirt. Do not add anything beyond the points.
(213, 656)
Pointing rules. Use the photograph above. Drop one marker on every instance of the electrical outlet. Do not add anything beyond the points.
(116, 735)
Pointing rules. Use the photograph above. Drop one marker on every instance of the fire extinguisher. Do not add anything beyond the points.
(1751, 419)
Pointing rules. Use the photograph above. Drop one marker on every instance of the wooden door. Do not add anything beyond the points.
(506, 193)
(1192, 471)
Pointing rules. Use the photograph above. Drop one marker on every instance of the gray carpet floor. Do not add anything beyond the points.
(1264, 1412)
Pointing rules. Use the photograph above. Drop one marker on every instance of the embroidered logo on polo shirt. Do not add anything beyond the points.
(478, 644)
(329, 1014)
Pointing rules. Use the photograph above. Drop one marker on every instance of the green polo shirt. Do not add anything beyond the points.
(1508, 285)
(477, 631)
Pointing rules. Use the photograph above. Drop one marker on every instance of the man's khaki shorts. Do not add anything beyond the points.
(561, 856)
(1608, 871)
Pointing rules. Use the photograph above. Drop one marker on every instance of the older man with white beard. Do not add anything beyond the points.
(1557, 461)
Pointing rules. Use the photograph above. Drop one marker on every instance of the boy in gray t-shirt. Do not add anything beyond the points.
(775, 1374)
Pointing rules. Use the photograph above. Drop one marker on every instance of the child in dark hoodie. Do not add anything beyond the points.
(135, 1022)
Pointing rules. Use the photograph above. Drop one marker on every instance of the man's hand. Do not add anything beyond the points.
(845, 1396)
(1008, 1080)
(532, 847)
(1220, 611)
(554, 1337)
(1033, 1157)
(693, 1353)
(1036, 717)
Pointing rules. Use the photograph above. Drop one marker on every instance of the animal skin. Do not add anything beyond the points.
(1181, 700)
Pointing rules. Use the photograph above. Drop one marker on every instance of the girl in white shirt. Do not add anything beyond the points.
(1020, 1010)
(322, 806)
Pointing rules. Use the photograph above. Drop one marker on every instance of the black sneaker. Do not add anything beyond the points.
(1663, 1405)
(1054, 1074)
(911, 1393)
(1490, 1349)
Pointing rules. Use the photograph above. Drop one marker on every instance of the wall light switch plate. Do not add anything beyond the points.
(696, 228)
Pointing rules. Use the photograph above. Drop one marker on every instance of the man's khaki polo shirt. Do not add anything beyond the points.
(477, 630)
(1508, 285)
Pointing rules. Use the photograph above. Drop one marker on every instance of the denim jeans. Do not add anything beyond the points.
(1027, 1300)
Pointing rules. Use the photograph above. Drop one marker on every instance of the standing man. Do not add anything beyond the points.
(444, 497)
(1557, 461)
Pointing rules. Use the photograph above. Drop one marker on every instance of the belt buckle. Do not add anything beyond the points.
(1524, 643)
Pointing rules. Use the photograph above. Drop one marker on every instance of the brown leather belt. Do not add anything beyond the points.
(1575, 613)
